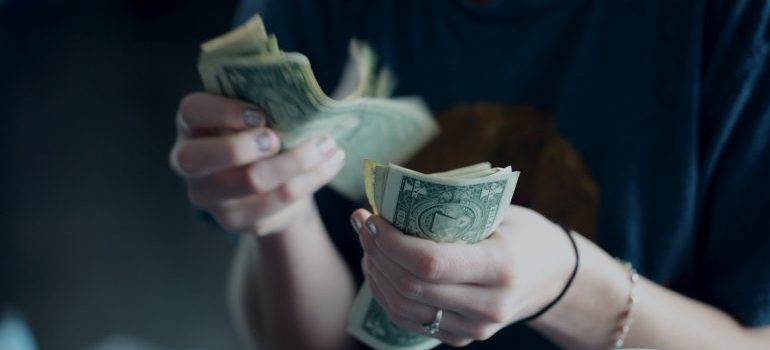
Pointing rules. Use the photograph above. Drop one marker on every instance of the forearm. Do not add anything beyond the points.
(667, 320)
(295, 290)
(663, 319)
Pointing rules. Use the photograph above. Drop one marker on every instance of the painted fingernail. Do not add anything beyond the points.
(371, 226)
(253, 117)
(324, 145)
(264, 141)
(356, 222)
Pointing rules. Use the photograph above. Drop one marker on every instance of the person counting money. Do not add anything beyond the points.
(640, 131)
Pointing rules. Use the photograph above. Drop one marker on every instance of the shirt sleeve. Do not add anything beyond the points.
(734, 267)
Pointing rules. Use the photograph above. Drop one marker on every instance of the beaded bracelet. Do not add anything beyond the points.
(625, 319)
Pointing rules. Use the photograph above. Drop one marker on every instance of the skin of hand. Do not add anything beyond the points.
(510, 276)
(230, 160)
(481, 287)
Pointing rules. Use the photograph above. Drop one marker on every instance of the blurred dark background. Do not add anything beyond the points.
(96, 236)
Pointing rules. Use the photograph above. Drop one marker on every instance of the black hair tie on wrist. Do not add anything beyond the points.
(569, 281)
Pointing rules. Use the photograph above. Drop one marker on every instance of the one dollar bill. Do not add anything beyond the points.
(248, 64)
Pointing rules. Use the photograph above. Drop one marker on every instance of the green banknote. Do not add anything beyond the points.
(248, 64)
(461, 205)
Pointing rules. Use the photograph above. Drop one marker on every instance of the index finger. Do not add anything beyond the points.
(432, 261)
(202, 113)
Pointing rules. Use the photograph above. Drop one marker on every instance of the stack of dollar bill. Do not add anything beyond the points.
(462, 205)
(247, 64)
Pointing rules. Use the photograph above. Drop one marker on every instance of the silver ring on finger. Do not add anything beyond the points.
(433, 327)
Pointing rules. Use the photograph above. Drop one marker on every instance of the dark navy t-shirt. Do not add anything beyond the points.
(644, 124)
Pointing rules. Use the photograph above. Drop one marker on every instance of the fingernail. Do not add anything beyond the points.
(371, 226)
(324, 145)
(253, 117)
(264, 141)
(356, 224)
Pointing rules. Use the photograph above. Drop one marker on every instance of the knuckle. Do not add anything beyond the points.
(183, 159)
(228, 219)
(495, 315)
(410, 287)
(187, 103)
(399, 308)
(255, 181)
(430, 267)
(505, 275)
(458, 342)
(259, 179)
(501, 268)
(298, 158)
(287, 192)
(481, 332)
(496, 312)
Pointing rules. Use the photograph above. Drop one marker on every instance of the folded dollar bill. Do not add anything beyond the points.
(248, 64)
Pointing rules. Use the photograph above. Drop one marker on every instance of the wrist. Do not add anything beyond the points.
(587, 314)
(569, 275)
(295, 217)
(302, 216)
(304, 227)
(625, 319)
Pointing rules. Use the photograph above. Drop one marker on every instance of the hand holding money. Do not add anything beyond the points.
(229, 160)
(233, 176)
(463, 205)
(409, 278)
(248, 64)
